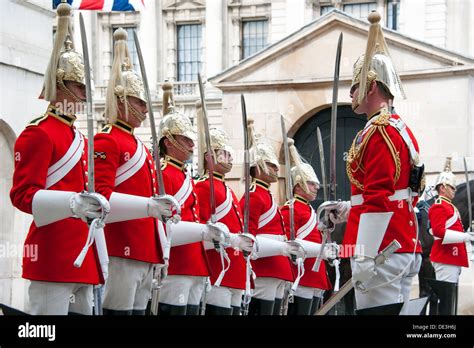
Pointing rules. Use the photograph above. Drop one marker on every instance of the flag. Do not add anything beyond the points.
(104, 5)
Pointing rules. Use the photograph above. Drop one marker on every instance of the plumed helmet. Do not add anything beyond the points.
(301, 172)
(446, 177)
(260, 150)
(376, 64)
(65, 63)
(124, 82)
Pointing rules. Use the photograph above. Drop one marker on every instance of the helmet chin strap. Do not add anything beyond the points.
(69, 93)
(178, 145)
(130, 110)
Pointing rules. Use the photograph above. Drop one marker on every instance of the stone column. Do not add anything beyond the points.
(214, 37)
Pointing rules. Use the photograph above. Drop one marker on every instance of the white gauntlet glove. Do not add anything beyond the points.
(242, 241)
(216, 233)
(331, 251)
(340, 213)
(84, 207)
(469, 237)
(161, 207)
(363, 269)
(293, 249)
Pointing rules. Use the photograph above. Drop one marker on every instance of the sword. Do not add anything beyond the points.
(323, 163)
(90, 157)
(289, 198)
(381, 258)
(209, 153)
(288, 181)
(332, 156)
(247, 296)
(161, 187)
(469, 202)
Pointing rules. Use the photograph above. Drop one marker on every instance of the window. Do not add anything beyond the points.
(360, 10)
(326, 9)
(254, 37)
(393, 14)
(131, 47)
(189, 51)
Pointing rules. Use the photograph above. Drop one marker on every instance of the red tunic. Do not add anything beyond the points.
(235, 275)
(379, 164)
(260, 203)
(50, 251)
(303, 209)
(133, 239)
(189, 259)
(451, 254)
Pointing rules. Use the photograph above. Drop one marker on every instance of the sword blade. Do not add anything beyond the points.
(90, 121)
(246, 166)
(468, 189)
(155, 144)
(332, 159)
(323, 163)
(288, 181)
(209, 153)
(380, 259)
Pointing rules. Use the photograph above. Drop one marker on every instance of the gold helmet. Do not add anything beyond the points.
(446, 177)
(124, 82)
(301, 172)
(376, 64)
(261, 152)
(173, 122)
(65, 63)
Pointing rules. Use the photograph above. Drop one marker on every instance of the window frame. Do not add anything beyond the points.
(244, 21)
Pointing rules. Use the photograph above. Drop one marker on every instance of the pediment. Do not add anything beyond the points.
(183, 4)
(308, 55)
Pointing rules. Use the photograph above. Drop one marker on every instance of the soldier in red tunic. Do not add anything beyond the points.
(225, 297)
(125, 174)
(271, 265)
(312, 285)
(385, 172)
(449, 252)
(50, 172)
(188, 269)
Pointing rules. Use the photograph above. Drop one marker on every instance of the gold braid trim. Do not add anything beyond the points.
(356, 153)
(393, 151)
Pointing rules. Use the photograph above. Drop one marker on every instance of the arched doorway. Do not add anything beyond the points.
(348, 124)
(13, 226)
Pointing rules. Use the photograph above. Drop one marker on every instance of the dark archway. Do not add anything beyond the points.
(348, 124)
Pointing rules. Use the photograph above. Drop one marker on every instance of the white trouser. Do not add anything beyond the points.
(182, 290)
(447, 273)
(269, 288)
(129, 284)
(395, 292)
(307, 292)
(224, 297)
(50, 298)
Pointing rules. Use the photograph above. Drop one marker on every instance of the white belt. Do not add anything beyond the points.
(279, 237)
(397, 196)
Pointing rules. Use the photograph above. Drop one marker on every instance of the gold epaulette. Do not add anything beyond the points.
(383, 120)
(106, 129)
(37, 120)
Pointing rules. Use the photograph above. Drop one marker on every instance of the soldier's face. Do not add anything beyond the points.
(309, 195)
(354, 94)
(272, 175)
(187, 144)
(78, 89)
(447, 191)
(224, 162)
